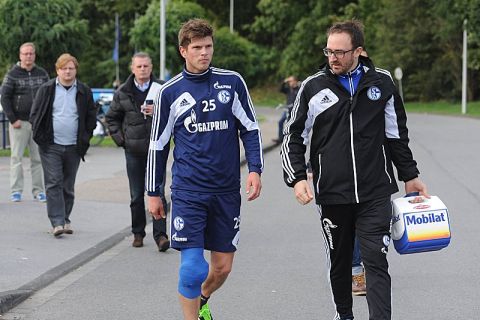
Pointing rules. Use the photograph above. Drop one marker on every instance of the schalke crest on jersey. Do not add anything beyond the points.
(374, 93)
(224, 96)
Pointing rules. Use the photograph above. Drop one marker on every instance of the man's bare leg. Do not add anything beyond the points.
(220, 267)
(189, 307)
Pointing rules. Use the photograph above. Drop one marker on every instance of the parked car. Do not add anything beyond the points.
(103, 98)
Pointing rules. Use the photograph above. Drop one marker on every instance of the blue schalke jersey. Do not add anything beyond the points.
(206, 113)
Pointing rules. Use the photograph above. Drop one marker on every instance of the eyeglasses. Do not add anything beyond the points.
(339, 54)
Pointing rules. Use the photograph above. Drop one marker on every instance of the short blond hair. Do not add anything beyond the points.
(64, 59)
(27, 44)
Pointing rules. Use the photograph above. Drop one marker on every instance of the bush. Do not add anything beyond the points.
(236, 53)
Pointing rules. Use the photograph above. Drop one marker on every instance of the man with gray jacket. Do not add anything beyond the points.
(18, 90)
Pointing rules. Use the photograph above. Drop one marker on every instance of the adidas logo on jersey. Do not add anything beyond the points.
(184, 103)
(325, 99)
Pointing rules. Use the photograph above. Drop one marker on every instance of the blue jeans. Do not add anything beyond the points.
(281, 122)
(136, 165)
(357, 267)
(60, 165)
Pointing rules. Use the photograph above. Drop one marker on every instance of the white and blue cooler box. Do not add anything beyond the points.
(420, 227)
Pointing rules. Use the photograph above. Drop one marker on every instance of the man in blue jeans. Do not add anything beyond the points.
(129, 121)
(289, 87)
(359, 286)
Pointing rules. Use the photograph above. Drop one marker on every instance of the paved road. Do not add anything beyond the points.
(280, 268)
(30, 260)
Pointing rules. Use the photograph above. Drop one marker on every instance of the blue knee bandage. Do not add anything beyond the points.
(193, 271)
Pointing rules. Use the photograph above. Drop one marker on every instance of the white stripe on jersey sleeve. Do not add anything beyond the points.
(151, 170)
(229, 72)
(157, 105)
(241, 115)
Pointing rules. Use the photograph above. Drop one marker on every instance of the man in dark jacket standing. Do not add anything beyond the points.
(63, 118)
(18, 90)
(359, 129)
(289, 87)
(129, 121)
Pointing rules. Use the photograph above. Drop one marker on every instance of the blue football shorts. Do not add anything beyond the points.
(205, 220)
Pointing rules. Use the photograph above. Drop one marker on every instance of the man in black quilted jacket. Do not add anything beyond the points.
(129, 121)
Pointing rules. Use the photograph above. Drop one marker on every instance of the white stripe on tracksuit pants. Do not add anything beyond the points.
(370, 221)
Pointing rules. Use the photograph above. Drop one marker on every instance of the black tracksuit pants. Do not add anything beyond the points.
(371, 223)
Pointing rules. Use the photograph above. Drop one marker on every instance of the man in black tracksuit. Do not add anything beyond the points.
(358, 125)
(130, 127)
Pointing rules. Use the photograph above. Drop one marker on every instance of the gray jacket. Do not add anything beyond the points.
(18, 91)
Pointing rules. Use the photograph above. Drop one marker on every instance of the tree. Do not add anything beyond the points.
(236, 53)
(276, 21)
(231, 50)
(303, 56)
(54, 26)
(244, 13)
(472, 13)
(145, 35)
(98, 67)
(272, 38)
(423, 37)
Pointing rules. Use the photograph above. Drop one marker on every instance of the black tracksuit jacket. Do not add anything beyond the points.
(354, 140)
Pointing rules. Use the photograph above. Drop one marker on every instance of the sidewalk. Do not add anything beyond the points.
(30, 258)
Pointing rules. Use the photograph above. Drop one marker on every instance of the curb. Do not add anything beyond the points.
(12, 298)
(9, 299)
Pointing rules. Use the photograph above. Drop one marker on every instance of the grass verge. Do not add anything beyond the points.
(445, 108)
(267, 96)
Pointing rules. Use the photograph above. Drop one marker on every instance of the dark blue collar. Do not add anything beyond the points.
(197, 77)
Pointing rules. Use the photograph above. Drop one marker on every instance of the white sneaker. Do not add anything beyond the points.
(57, 231)
(68, 228)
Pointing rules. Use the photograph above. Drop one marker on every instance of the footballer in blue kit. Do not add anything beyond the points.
(206, 110)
